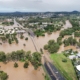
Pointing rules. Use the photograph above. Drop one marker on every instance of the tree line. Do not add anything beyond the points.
(20, 55)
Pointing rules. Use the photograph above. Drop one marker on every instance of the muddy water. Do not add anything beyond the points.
(67, 25)
(71, 47)
(27, 74)
(20, 73)
(6, 47)
(41, 41)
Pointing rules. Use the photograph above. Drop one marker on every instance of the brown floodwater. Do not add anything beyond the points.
(6, 47)
(20, 73)
(41, 41)
(71, 47)
(29, 74)
(67, 25)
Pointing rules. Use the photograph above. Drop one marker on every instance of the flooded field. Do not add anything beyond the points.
(20, 73)
(6, 47)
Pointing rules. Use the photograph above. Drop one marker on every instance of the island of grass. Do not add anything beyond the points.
(64, 65)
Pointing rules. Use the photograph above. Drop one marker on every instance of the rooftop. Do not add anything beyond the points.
(78, 67)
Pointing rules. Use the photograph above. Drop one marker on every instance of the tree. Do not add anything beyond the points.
(28, 55)
(7, 36)
(2, 57)
(41, 50)
(21, 37)
(8, 57)
(3, 75)
(50, 42)
(9, 40)
(16, 40)
(3, 39)
(26, 38)
(46, 47)
(36, 60)
(15, 65)
(59, 40)
(69, 41)
(24, 44)
(53, 48)
(26, 64)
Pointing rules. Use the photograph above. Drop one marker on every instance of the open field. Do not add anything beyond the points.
(66, 68)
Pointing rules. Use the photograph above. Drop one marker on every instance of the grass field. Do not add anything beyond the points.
(66, 68)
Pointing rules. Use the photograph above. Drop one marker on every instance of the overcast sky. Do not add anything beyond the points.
(39, 5)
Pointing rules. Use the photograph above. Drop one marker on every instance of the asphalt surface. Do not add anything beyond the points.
(57, 73)
(49, 72)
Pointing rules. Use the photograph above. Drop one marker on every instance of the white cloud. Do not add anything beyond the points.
(39, 5)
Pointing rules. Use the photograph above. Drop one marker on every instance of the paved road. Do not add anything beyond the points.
(57, 73)
(49, 72)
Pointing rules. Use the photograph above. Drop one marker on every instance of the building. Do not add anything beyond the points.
(78, 55)
(78, 67)
(72, 57)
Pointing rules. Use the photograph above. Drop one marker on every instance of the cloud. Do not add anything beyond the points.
(39, 5)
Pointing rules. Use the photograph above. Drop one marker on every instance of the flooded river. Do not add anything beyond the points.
(67, 25)
(41, 41)
(28, 74)
(20, 73)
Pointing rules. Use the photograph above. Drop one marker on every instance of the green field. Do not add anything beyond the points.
(66, 68)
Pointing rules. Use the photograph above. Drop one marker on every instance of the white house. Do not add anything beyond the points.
(78, 55)
(72, 56)
(78, 67)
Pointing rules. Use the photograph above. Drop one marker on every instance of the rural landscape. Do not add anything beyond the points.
(39, 42)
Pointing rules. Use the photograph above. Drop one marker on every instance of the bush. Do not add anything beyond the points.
(26, 38)
(64, 60)
(65, 54)
(15, 65)
(43, 34)
(24, 44)
(3, 75)
(21, 37)
(45, 47)
(9, 41)
(26, 64)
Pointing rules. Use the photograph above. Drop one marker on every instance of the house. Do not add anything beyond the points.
(78, 67)
(20, 31)
(72, 57)
(78, 55)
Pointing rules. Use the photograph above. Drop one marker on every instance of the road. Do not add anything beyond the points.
(50, 68)
(49, 72)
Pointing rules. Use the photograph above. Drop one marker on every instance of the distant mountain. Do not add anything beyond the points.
(74, 12)
(19, 14)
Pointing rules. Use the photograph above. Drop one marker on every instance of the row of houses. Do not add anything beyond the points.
(11, 30)
(77, 62)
